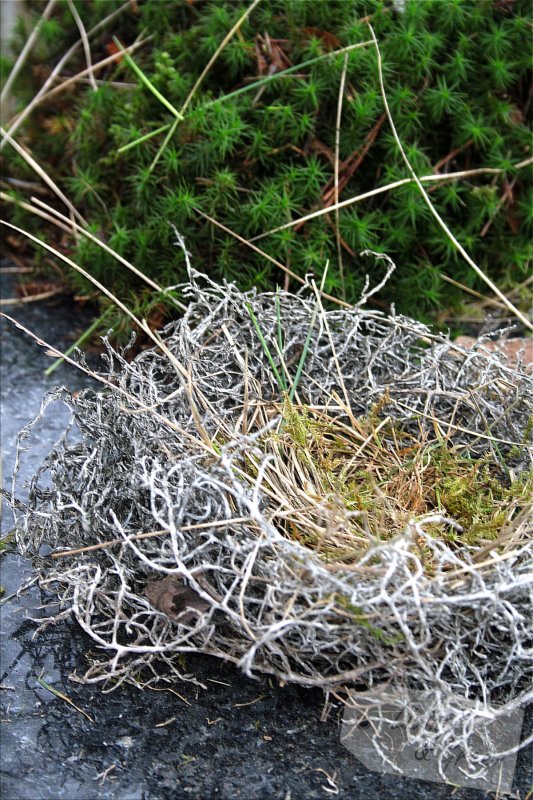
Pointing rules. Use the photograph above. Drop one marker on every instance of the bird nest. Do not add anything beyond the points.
(336, 498)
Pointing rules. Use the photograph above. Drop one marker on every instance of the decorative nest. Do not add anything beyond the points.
(336, 498)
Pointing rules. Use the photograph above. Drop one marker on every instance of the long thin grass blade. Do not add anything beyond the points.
(283, 73)
(21, 59)
(516, 312)
(146, 80)
(43, 91)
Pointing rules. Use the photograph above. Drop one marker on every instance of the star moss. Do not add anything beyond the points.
(457, 78)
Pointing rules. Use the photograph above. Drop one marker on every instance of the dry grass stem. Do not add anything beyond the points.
(515, 311)
(336, 170)
(42, 174)
(85, 42)
(449, 176)
(43, 91)
(22, 56)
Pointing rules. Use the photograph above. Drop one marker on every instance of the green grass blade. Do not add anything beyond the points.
(62, 696)
(85, 335)
(166, 140)
(305, 350)
(307, 342)
(264, 345)
(288, 71)
(280, 335)
(143, 138)
(147, 82)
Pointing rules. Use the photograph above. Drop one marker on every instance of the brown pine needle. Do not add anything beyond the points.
(64, 697)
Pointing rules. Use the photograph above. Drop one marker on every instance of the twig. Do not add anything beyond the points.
(32, 298)
(172, 691)
(250, 702)
(508, 193)
(95, 68)
(25, 586)
(473, 292)
(149, 535)
(103, 775)
(452, 154)
(352, 164)
(100, 82)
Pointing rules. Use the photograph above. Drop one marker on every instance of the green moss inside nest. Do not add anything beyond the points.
(338, 485)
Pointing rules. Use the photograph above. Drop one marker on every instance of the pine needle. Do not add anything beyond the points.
(64, 697)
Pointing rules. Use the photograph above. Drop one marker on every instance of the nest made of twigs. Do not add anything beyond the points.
(371, 529)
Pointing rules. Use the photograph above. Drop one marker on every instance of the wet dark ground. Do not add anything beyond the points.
(235, 738)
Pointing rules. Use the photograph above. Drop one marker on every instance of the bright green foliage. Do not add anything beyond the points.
(457, 78)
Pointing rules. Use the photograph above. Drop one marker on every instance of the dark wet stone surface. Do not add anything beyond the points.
(237, 738)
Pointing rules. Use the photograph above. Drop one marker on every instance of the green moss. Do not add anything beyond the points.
(457, 77)
(476, 495)
(392, 479)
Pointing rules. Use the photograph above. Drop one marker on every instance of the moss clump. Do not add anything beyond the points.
(339, 486)
(457, 74)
